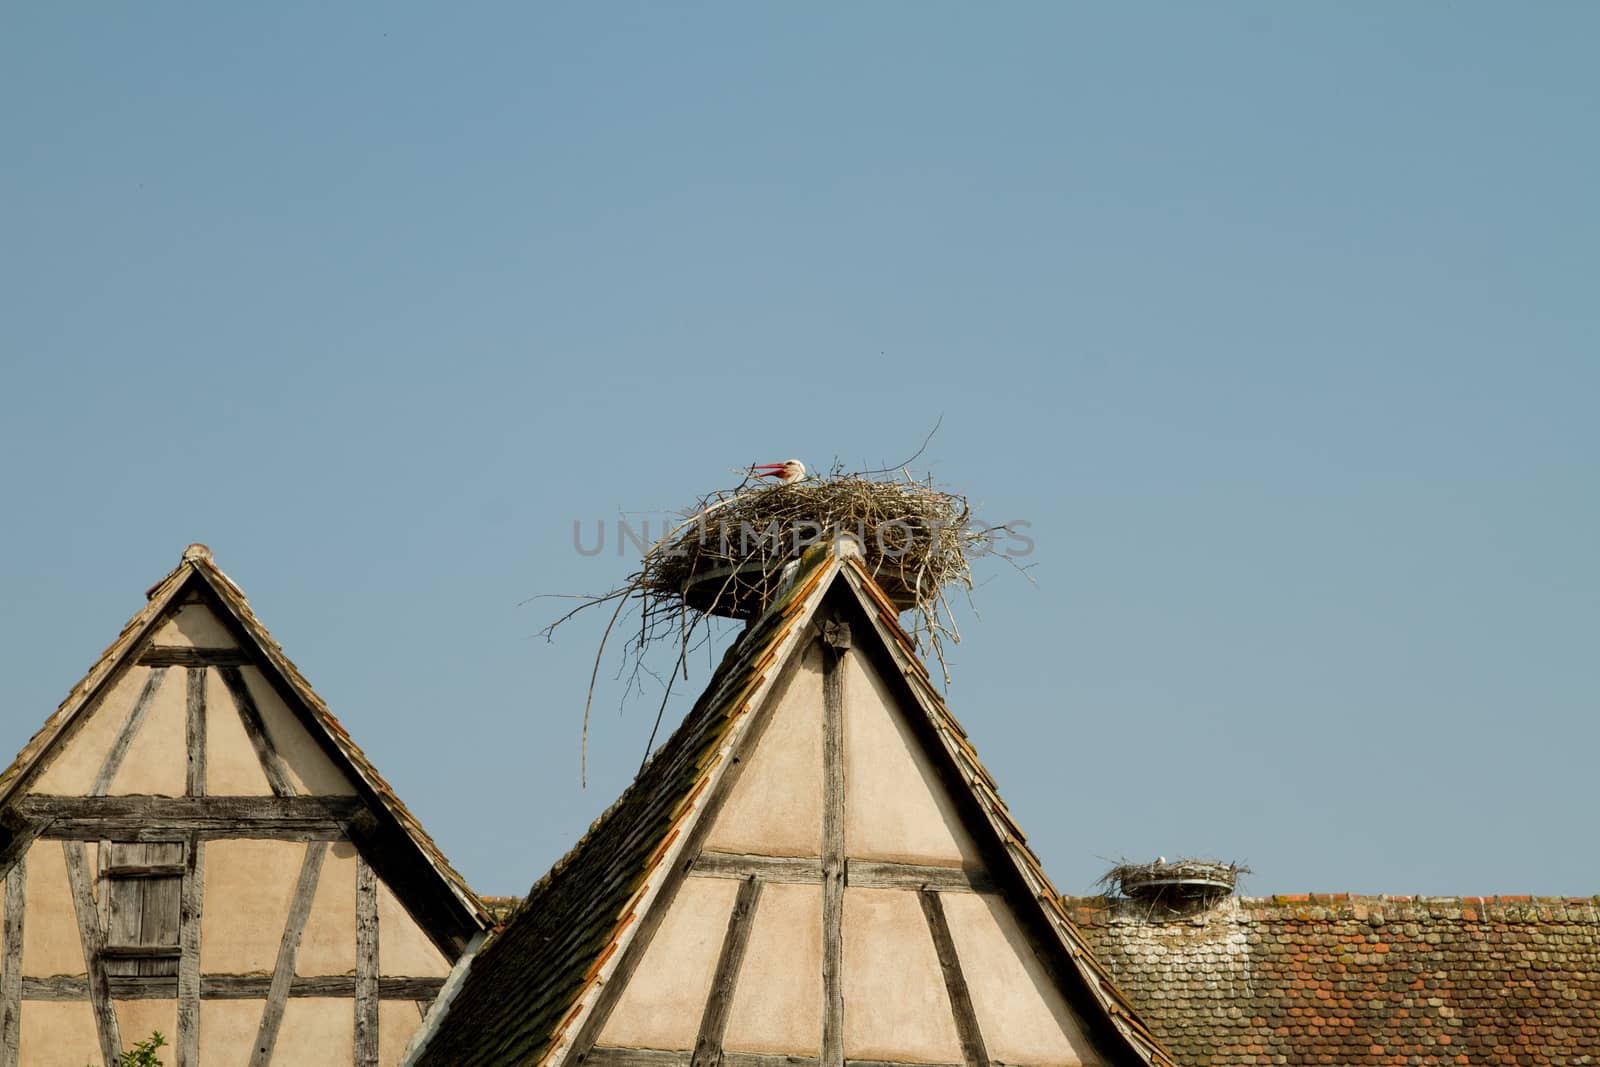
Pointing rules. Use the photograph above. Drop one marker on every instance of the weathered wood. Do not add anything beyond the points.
(652, 1057)
(195, 731)
(366, 904)
(880, 874)
(189, 978)
(589, 1030)
(866, 874)
(714, 1020)
(174, 656)
(766, 868)
(121, 907)
(11, 974)
(161, 908)
(124, 738)
(140, 952)
(250, 715)
(143, 818)
(637, 1057)
(92, 938)
(835, 649)
(230, 987)
(283, 974)
(143, 870)
(955, 983)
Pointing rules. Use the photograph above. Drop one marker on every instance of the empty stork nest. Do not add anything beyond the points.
(1173, 884)
(727, 557)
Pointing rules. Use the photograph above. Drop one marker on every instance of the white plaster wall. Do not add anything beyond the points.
(72, 770)
(58, 1033)
(777, 1003)
(247, 891)
(775, 809)
(403, 949)
(895, 1004)
(194, 626)
(310, 769)
(316, 1030)
(895, 806)
(662, 1004)
(1022, 1017)
(328, 943)
(138, 1019)
(232, 766)
(228, 1032)
(397, 1021)
(157, 760)
(50, 944)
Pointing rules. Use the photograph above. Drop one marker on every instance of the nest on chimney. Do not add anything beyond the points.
(1175, 885)
(727, 556)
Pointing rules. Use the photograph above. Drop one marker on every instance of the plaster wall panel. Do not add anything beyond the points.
(1020, 1013)
(896, 1007)
(328, 945)
(777, 1003)
(228, 1031)
(58, 1033)
(194, 626)
(309, 768)
(397, 1021)
(403, 949)
(157, 761)
(662, 1004)
(72, 770)
(232, 766)
(895, 806)
(248, 888)
(775, 809)
(316, 1030)
(138, 1019)
(50, 943)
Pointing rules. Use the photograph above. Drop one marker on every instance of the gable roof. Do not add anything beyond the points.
(443, 896)
(526, 996)
(1379, 981)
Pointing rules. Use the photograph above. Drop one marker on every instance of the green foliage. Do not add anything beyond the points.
(143, 1054)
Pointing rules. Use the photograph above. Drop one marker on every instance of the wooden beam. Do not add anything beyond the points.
(175, 656)
(195, 731)
(11, 976)
(288, 950)
(124, 738)
(189, 985)
(92, 938)
(367, 971)
(714, 1020)
(835, 650)
(803, 869)
(143, 870)
(653, 1057)
(271, 762)
(865, 874)
(955, 983)
(230, 987)
(879, 874)
(145, 818)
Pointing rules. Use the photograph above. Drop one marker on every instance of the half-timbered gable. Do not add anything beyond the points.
(815, 869)
(193, 844)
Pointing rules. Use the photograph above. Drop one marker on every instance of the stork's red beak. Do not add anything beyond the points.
(768, 470)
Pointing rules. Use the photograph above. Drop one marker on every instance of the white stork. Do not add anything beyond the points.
(790, 470)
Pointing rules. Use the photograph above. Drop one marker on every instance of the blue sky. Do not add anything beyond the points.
(1279, 325)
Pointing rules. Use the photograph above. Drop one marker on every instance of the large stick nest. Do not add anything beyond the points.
(727, 557)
